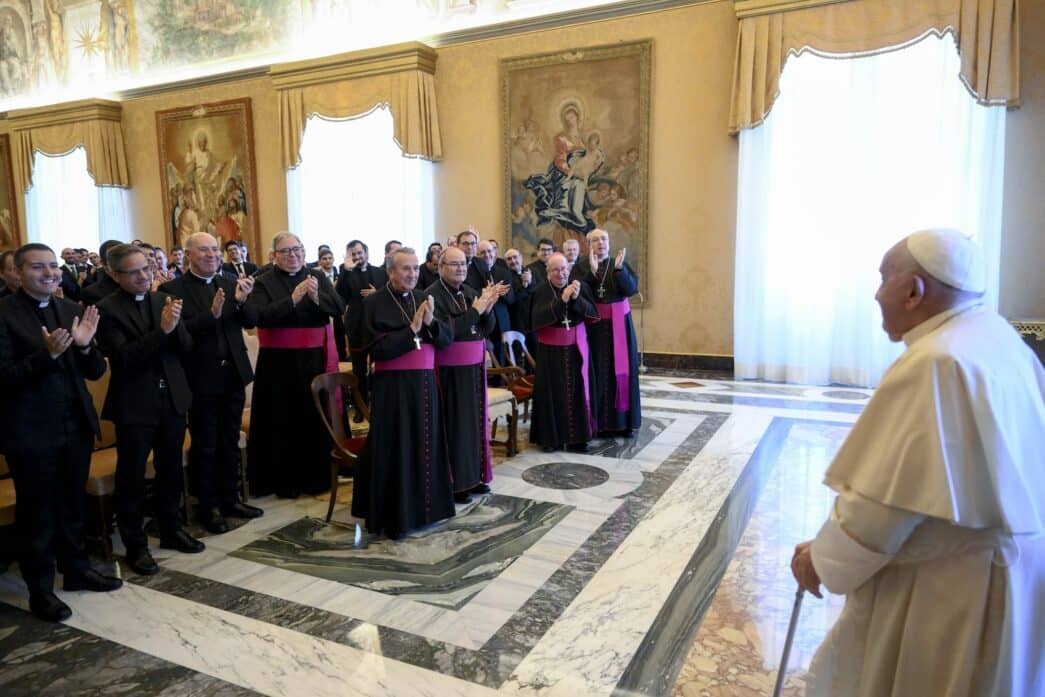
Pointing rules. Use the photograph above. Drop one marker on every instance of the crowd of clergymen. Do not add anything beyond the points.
(172, 335)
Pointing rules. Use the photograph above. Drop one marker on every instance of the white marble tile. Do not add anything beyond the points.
(262, 657)
(589, 646)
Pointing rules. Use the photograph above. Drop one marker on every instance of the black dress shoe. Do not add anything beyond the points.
(182, 541)
(577, 447)
(49, 608)
(550, 448)
(213, 522)
(90, 580)
(238, 509)
(462, 497)
(481, 489)
(141, 562)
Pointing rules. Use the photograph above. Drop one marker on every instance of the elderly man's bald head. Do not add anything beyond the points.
(204, 254)
(197, 238)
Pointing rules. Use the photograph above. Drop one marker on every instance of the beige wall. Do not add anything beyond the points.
(1022, 293)
(139, 132)
(693, 162)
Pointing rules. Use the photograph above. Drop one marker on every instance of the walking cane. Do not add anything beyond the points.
(795, 612)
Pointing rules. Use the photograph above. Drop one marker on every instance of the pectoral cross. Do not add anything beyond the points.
(566, 322)
(417, 342)
(472, 328)
(601, 292)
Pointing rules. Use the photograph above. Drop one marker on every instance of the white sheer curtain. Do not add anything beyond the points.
(856, 154)
(356, 160)
(64, 208)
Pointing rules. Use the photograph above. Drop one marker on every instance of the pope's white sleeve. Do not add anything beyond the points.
(858, 539)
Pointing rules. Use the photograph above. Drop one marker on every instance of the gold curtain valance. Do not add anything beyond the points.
(402, 76)
(55, 130)
(986, 32)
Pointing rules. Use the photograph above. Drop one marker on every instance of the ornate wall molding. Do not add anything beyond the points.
(753, 8)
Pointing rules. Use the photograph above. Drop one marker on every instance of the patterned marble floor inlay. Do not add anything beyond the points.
(650, 565)
(565, 475)
(444, 565)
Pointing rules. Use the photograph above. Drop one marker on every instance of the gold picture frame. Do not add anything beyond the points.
(10, 230)
(575, 128)
(208, 173)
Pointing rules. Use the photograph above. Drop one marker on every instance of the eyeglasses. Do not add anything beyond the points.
(287, 251)
(455, 264)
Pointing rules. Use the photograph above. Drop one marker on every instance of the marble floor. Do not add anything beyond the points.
(651, 566)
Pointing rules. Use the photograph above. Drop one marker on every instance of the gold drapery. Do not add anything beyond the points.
(55, 130)
(401, 76)
(986, 32)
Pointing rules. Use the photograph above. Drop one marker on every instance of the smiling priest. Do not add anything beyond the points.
(403, 478)
(937, 536)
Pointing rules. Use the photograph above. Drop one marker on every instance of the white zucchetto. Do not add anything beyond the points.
(949, 256)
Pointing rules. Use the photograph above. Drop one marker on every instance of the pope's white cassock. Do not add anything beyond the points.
(937, 535)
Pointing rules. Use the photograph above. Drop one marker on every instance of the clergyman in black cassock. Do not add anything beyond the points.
(141, 334)
(47, 428)
(614, 350)
(462, 374)
(482, 272)
(563, 380)
(355, 284)
(219, 370)
(403, 479)
(288, 452)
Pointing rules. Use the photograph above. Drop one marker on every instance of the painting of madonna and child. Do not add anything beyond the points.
(577, 147)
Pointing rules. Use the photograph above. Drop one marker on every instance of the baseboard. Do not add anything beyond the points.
(688, 361)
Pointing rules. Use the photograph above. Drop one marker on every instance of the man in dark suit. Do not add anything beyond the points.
(483, 272)
(539, 268)
(12, 280)
(47, 428)
(215, 312)
(104, 284)
(235, 264)
(498, 260)
(71, 277)
(358, 280)
(142, 335)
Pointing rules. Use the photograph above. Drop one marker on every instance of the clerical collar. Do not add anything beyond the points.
(205, 279)
(938, 320)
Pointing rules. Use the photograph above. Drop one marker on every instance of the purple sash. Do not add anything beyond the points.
(466, 353)
(616, 312)
(411, 360)
(575, 335)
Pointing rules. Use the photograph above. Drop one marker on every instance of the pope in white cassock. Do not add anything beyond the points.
(937, 535)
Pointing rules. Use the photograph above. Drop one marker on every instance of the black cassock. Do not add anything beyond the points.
(403, 479)
(615, 403)
(288, 452)
(463, 387)
(560, 414)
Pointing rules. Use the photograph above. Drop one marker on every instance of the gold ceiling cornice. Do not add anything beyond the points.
(68, 112)
(398, 58)
(753, 8)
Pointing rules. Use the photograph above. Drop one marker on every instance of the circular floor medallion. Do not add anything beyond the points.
(565, 475)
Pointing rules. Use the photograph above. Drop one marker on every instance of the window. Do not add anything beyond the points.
(354, 183)
(856, 154)
(64, 208)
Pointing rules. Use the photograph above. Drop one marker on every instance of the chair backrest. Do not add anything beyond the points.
(323, 386)
(510, 338)
(98, 389)
(250, 338)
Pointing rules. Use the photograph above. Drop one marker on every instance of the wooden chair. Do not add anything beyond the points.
(345, 451)
(501, 402)
(522, 385)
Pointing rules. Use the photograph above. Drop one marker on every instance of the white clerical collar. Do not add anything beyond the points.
(139, 296)
(205, 279)
(44, 303)
(938, 320)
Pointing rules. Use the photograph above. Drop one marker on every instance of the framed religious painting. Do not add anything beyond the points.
(207, 173)
(10, 233)
(576, 148)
